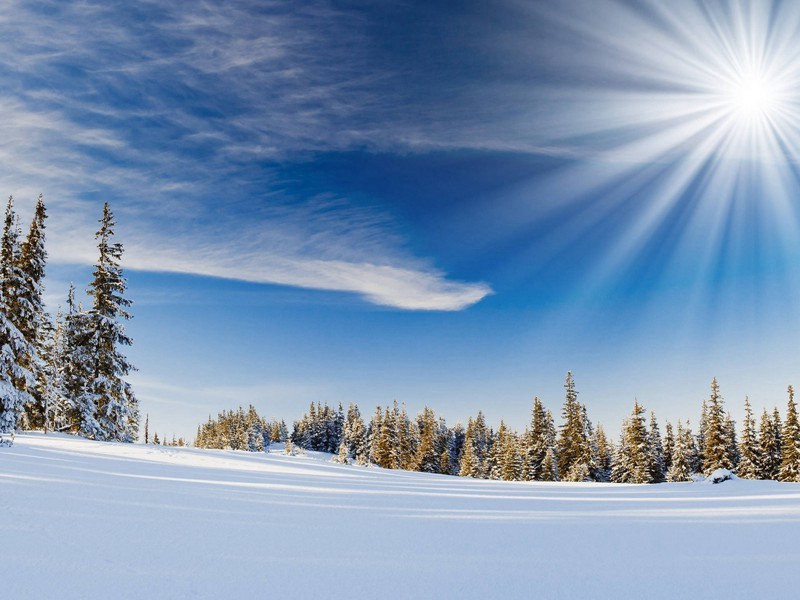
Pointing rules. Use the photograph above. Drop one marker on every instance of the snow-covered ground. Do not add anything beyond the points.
(82, 519)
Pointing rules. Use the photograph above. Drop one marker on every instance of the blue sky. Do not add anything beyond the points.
(448, 204)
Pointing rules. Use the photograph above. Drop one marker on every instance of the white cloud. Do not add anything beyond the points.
(162, 107)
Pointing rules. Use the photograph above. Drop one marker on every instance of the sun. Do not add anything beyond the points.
(752, 96)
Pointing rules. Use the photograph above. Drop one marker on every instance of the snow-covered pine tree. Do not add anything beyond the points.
(570, 440)
(748, 446)
(374, 434)
(470, 466)
(455, 448)
(427, 458)
(680, 468)
(536, 442)
(573, 450)
(769, 448)
(632, 464)
(343, 456)
(790, 448)
(657, 467)
(717, 448)
(50, 395)
(117, 412)
(32, 319)
(511, 460)
(700, 439)
(549, 466)
(731, 443)
(668, 445)
(15, 377)
(605, 454)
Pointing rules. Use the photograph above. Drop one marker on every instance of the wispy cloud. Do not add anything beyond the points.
(172, 111)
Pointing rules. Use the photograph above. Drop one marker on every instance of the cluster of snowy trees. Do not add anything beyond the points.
(577, 450)
(67, 372)
(240, 430)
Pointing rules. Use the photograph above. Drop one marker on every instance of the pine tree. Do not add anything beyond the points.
(790, 448)
(700, 441)
(634, 458)
(681, 462)
(656, 461)
(669, 445)
(605, 455)
(116, 409)
(374, 435)
(536, 442)
(748, 447)
(427, 459)
(769, 448)
(717, 448)
(343, 457)
(574, 448)
(731, 444)
(549, 466)
(470, 466)
(50, 394)
(147, 430)
(34, 324)
(16, 377)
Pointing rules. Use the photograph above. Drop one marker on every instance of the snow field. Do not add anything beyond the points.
(82, 519)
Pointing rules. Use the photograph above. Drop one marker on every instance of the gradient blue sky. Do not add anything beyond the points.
(448, 204)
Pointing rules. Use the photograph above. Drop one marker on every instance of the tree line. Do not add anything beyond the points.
(576, 450)
(63, 372)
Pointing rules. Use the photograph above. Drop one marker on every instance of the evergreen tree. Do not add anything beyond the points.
(731, 444)
(116, 413)
(790, 448)
(16, 377)
(536, 442)
(343, 456)
(427, 459)
(470, 466)
(716, 452)
(33, 322)
(574, 448)
(605, 454)
(669, 445)
(147, 429)
(748, 447)
(633, 460)
(50, 393)
(769, 448)
(680, 468)
(656, 460)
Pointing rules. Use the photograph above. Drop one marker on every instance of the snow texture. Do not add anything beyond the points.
(84, 519)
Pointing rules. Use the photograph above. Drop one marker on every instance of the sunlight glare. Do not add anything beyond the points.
(753, 96)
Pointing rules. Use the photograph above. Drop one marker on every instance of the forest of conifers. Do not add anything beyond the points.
(575, 451)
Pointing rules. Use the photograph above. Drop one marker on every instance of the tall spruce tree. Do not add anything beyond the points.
(33, 322)
(16, 377)
(657, 467)
(748, 446)
(536, 442)
(573, 448)
(716, 453)
(116, 409)
(790, 448)
(769, 448)
(669, 445)
(633, 460)
(680, 468)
